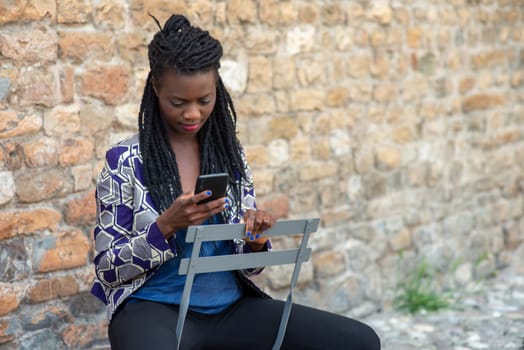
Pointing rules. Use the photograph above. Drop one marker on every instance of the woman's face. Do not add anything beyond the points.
(185, 100)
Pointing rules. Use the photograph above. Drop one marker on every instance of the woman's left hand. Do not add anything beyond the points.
(257, 221)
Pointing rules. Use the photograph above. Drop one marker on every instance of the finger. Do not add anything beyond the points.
(201, 196)
(249, 218)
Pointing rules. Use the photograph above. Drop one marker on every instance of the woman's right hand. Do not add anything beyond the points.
(186, 212)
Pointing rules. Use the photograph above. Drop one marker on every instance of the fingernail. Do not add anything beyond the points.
(249, 233)
(257, 236)
(227, 200)
(208, 193)
(252, 238)
(226, 206)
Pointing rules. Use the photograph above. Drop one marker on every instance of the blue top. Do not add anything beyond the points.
(211, 293)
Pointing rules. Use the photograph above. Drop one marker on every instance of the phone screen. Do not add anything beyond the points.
(216, 183)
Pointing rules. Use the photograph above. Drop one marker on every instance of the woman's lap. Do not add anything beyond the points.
(251, 323)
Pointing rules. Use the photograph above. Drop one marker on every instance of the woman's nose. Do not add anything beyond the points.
(192, 111)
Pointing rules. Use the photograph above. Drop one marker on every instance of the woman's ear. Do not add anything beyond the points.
(154, 84)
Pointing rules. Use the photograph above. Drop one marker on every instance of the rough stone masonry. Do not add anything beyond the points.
(399, 123)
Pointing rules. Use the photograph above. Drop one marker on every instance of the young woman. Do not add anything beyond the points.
(146, 200)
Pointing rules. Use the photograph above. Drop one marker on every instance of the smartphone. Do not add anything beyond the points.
(216, 183)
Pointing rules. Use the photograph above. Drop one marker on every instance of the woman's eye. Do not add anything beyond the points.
(205, 101)
(177, 103)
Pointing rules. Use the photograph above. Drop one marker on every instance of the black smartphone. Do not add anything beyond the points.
(216, 183)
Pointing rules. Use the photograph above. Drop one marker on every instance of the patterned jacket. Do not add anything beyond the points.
(128, 244)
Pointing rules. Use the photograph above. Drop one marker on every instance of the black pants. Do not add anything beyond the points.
(251, 323)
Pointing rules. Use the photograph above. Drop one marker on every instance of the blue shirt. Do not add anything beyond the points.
(211, 293)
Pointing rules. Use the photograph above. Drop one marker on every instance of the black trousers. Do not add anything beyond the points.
(250, 323)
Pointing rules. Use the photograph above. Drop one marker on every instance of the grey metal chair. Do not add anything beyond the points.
(196, 264)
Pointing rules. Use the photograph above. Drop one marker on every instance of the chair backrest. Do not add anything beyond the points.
(197, 264)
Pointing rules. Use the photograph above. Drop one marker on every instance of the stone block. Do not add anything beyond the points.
(284, 127)
(382, 13)
(268, 12)
(466, 84)
(81, 211)
(328, 263)
(278, 152)
(82, 177)
(300, 39)
(277, 206)
(284, 74)
(307, 99)
(38, 219)
(414, 37)
(300, 149)
(8, 224)
(41, 152)
(317, 170)
(400, 240)
(48, 317)
(8, 330)
(24, 10)
(14, 155)
(358, 66)
(29, 46)
(47, 289)
(62, 250)
(79, 336)
(28, 125)
(482, 102)
(241, 11)
(332, 14)
(345, 295)
(110, 14)
(8, 120)
(257, 155)
(7, 187)
(79, 46)
(76, 151)
(489, 59)
(93, 118)
(308, 13)
(36, 185)
(337, 97)
(18, 222)
(9, 299)
(378, 38)
(260, 75)
(38, 86)
(322, 149)
(67, 83)
(161, 9)
(384, 93)
(255, 105)
(259, 42)
(387, 158)
(264, 179)
(73, 11)
(62, 120)
(110, 83)
(14, 258)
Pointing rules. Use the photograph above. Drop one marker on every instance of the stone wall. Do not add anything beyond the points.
(399, 123)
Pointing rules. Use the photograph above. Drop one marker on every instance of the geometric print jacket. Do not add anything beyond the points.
(129, 247)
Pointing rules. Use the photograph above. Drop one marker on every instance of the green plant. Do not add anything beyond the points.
(418, 292)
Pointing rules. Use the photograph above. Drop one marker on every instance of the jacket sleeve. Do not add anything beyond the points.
(128, 242)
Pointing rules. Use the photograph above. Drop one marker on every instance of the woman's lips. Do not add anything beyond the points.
(190, 127)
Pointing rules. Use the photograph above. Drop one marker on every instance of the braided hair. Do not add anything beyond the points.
(185, 49)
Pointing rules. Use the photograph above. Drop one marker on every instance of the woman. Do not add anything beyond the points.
(145, 203)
